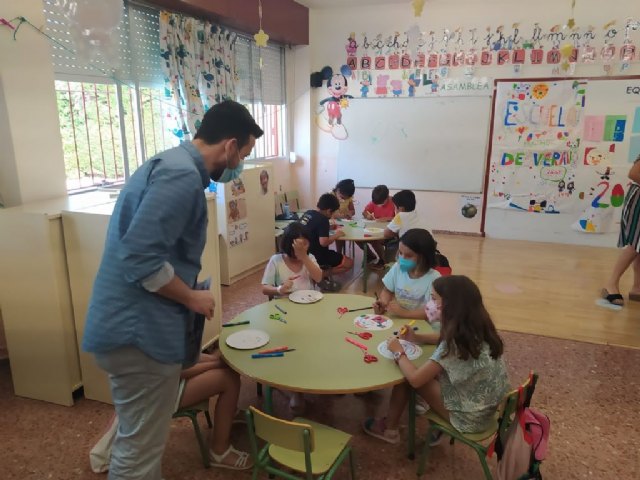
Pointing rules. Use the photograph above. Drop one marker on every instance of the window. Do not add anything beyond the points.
(260, 88)
(111, 122)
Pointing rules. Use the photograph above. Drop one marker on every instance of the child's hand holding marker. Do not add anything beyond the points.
(379, 308)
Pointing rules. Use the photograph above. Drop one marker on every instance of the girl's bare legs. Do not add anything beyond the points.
(626, 257)
(430, 392)
(225, 383)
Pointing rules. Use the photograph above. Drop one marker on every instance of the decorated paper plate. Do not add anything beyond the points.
(412, 350)
(248, 339)
(305, 296)
(374, 230)
(373, 322)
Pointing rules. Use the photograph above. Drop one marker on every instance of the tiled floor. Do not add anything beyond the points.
(589, 391)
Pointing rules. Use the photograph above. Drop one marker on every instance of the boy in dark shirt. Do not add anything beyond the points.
(317, 222)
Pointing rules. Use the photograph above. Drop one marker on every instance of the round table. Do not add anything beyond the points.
(354, 231)
(323, 361)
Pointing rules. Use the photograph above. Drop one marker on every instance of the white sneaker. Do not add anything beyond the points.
(421, 407)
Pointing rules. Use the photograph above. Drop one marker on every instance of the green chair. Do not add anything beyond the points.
(504, 417)
(192, 413)
(301, 445)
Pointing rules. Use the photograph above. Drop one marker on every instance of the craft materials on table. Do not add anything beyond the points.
(403, 330)
(267, 355)
(396, 333)
(277, 316)
(305, 296)
(278, 349)
(368, 358)
(234, 324)
(247, 339)
(343, 310)
(412, 350)
(373, 322)
(281, 309)
(362, 335)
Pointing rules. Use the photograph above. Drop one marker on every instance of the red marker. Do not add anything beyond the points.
(274, 350)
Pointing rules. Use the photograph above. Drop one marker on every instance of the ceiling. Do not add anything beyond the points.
(346, 3)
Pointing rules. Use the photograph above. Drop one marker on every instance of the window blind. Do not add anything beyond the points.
(136, 48)
(259, 85)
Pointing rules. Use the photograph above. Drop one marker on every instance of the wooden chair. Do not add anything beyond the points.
(192, 414)
(301, 445)
(504, 418)
(293, 199)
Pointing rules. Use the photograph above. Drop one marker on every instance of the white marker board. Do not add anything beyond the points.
(420, 143)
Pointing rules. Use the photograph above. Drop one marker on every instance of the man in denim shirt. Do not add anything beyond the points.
(143, 294)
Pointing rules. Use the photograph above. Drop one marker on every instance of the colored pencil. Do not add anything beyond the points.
(281, 309)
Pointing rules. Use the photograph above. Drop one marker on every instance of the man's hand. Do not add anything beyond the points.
(201, 301)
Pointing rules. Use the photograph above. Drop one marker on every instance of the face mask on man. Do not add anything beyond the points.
(228, 174)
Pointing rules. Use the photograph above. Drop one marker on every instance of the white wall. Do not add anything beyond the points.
(31, 158)
(329, 29)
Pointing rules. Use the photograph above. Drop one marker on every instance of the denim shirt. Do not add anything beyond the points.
(160, 217)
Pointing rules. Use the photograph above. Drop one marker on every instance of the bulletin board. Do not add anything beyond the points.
(560, 151)
(421, 143)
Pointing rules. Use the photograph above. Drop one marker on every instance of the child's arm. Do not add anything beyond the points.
(300, 251)
(410, 335)
(416, 377)
(352, 208)
(326, 241)
(634, 173)
(395, 308)
(380, 305)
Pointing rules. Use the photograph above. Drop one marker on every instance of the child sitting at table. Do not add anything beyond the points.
(317, 222)
(382, 209)
(293, 269)
(344, 191)
(407, 285)
(406, 218)
(465, 379)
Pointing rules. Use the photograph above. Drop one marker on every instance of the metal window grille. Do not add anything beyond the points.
(111, 120)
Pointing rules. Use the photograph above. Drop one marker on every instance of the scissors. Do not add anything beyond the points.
(363, 335)
(277, 316)
(343, 310)
(368, 358)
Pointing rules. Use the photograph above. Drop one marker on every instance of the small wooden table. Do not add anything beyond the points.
(323, 361)
(356, 233)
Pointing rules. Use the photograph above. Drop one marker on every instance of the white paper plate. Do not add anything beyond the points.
(373, 322)
(412, 350)
(305, 296)
(373, 230)
(248, 339)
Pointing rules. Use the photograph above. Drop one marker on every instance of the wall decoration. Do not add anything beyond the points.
(237, 209)
(470, 205)
(260, 38)
(264, 182)
(329, 117)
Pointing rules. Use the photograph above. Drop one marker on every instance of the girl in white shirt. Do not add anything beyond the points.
(294, 268)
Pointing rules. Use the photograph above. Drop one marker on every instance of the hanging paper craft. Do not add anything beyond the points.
(261, 38)
(329, 118)
(373, 322)
(413, 351)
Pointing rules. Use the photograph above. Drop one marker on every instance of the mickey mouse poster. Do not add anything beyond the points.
(329, 117)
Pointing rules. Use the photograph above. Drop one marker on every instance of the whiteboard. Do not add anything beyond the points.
(419, 143)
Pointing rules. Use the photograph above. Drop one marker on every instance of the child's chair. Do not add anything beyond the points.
(192, 414)
(504, 417)
(293, 199)
(302, 445)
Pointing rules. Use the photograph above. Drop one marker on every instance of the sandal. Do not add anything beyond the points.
(376, 428)
(612, 298)
(243, 462)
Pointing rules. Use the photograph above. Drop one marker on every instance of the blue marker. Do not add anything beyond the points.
(267, 355)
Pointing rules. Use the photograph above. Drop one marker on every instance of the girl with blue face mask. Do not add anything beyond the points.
(407, 285)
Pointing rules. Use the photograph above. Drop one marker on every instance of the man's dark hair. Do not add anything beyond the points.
(227, 120)
(379, 194)
(405, 199)
(347, 187)
(328, 201)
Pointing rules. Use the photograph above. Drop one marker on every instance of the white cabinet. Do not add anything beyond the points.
(246, 223)
(84, 235)
(35, 298)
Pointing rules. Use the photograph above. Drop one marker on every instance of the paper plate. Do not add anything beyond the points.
(372, 321)
(305, 296)
(412, 350)
(373, 230)
(248, 339)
